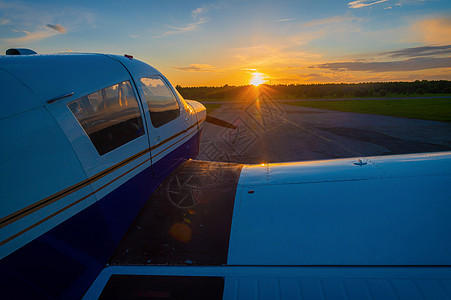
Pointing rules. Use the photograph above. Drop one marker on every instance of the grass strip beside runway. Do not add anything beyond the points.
(435, 109)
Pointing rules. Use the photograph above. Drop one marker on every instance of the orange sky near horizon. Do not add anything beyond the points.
(213, 43)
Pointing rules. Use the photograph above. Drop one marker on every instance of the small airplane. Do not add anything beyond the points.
(101, 198)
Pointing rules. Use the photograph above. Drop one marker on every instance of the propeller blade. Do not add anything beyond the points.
(219, 122)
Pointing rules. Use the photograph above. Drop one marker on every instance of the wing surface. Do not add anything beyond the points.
(369, 228)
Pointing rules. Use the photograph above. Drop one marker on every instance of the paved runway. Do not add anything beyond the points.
(270, 131)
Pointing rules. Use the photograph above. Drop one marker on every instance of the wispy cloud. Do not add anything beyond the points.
(421, 51)
(397, 4)
(284, 20)
(412, 64)
(44, 32)
(198, 11)
(32, 36)
(57, 27)
(276, 58)
(326, 28)
(183, 29)
(334, 21)
(282, 51)
(402, 3)
(363, 3)
(33, 21)
(197, 68)
(198, 19)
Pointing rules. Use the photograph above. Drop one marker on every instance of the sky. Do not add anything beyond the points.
(213, 43)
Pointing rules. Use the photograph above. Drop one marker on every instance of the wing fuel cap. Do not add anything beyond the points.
(359, 163)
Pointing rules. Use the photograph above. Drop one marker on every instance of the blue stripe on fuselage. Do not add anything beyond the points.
(63, 262)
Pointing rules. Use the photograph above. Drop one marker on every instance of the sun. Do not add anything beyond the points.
(257, 79)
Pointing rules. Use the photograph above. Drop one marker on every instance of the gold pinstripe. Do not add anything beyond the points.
(67, 191)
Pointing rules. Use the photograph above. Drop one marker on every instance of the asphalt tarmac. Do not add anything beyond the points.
(270, 131)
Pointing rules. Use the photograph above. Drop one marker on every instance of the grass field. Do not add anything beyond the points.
(436, 109)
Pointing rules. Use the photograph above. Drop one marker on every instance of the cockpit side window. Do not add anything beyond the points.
(163, 106)
(110, 117)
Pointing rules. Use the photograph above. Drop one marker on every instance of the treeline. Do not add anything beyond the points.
(340, 90)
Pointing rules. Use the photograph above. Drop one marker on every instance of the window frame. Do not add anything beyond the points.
(170, 88)
(101, 91)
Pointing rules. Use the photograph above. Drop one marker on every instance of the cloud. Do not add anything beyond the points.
(327, 77)
(421, 51)
(401, 3)
(198, 11)
(273, 55)
(340, 20)
(363, 3)
(187, 28)
(398, 4)
(4, 21)
(48, 31)
(133, 36)
(328, 28)
(284, 20)
(34, 21)
(197, 68)
(31, 36)
(412, 64)
(198, 20)
(434, 30)
(57, 27)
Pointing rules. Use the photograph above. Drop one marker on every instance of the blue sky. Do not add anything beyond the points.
(225, 42)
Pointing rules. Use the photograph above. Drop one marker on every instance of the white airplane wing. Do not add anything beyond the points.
(374, 228)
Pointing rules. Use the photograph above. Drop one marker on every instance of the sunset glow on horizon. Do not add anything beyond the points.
(257, 79)
(213, 43)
